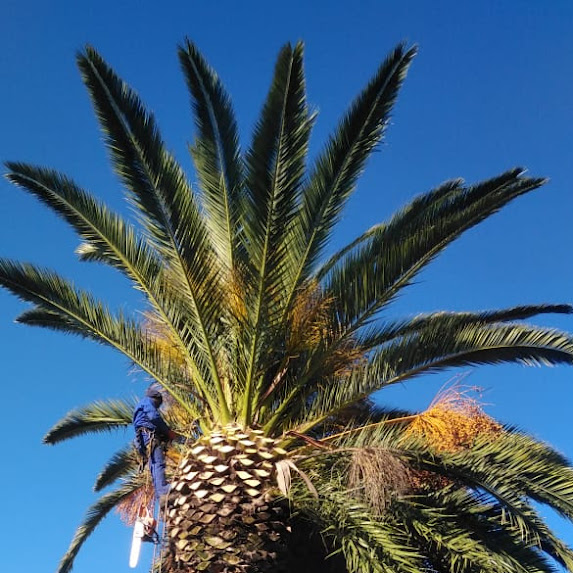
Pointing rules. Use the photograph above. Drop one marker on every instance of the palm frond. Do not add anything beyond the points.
(369, 544)
(112, 240)
(373, 274)
(97, 417)
(429, 350)
(164, 200)
(108, 236)
(120, 465)
(275, 168)
(338, 167)
(409, 217)
(215, 152)
(532, 468)
(71, 310)
(481, 515)
(467, 533)
(496, 467)
(38, 316)
(473, 344)
(378, 334)
(136, 148)
(93, 517)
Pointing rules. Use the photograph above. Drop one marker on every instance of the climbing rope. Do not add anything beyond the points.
(163, 534)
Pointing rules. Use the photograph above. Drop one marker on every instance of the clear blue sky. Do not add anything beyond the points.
(492, 88)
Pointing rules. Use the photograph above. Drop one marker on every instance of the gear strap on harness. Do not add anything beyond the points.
(144, 449)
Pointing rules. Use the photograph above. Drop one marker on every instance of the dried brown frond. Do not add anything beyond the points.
(130, 507)
(453, 421)
(376, 476)
(424, 480)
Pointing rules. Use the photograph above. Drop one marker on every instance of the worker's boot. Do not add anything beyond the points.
(149, 533)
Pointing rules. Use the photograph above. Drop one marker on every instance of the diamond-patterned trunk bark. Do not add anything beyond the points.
(222, 516)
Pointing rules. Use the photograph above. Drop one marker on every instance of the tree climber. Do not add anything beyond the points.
(151, 436)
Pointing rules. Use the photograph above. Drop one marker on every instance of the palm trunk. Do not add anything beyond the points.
(222, 514)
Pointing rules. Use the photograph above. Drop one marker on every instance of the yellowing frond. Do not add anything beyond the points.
(179, 418)
(311, 324)
(309, 318)
(235, 292)
(162, 338)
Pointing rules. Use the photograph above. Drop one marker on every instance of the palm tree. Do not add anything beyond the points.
(269, 351)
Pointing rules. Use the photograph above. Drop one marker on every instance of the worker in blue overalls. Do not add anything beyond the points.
(151, 436)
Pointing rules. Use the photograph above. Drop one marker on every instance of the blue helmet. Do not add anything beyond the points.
(154, 394)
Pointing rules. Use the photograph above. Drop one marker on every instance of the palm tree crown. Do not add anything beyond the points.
(252, 330)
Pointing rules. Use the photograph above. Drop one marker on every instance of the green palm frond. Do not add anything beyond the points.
(165, 201)
(434, 348)
(275, 169)
(381, 333)
(215, 152)
(108, 236)
(470, 345)
(74, 311)
(123, 462)
(100, 416)
(276, 159)
(93, 517)
(54, 294)
(148, 171)
(113, 241)
(528, 467)
(38, 316)
(482, 516)
(369, 544)
(515, 521)
(408, 217)
(152, 176)
(467, 533)
(511, 470)
(370, 276)
(338, 167)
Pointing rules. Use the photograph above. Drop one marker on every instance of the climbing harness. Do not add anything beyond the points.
(143, 447)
